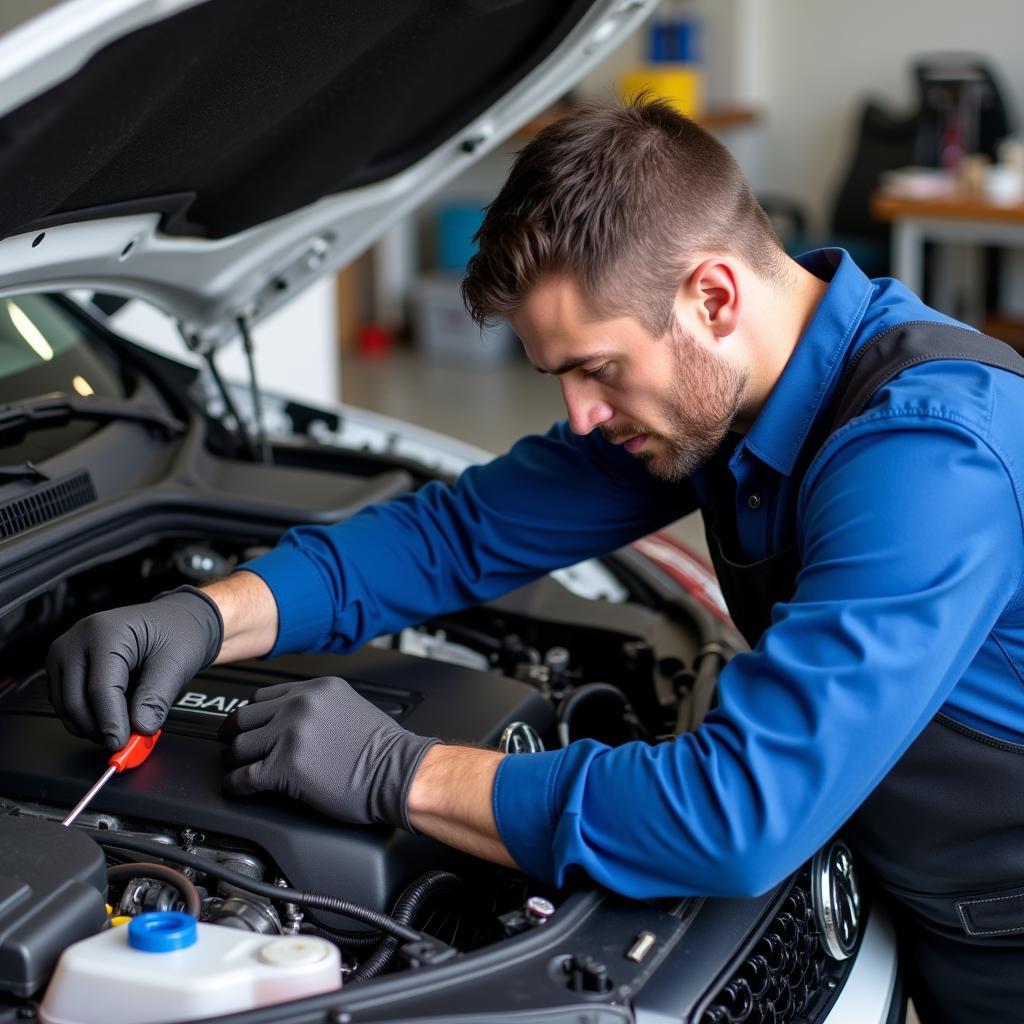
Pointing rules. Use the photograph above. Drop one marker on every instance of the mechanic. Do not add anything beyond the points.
(856, 456)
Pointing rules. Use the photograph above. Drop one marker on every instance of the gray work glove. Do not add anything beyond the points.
(318, 741)
(158, 646)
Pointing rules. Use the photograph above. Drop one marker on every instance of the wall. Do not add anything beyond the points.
(807, 65)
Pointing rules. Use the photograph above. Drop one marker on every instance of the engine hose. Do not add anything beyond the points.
(346, 940)
(405, 910)
(711, 659)
(174, 878)
(579, 696)
(311, 900)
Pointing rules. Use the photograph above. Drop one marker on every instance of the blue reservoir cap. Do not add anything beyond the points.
(162, 931)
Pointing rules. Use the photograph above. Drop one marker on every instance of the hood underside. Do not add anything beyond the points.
(233, 112)
(217, 159)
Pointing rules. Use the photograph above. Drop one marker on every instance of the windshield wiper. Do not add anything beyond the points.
(26, 471)
(55, 410)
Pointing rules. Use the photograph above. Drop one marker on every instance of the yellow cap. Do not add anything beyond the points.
(120, 919)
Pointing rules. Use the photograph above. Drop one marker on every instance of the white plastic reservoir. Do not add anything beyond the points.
(167, 967)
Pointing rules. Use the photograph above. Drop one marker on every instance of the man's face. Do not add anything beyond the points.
(670, 400)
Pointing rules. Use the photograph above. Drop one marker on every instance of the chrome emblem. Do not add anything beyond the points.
(836, 898)
(520, 738)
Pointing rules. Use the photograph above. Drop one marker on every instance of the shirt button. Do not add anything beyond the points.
(754, 501)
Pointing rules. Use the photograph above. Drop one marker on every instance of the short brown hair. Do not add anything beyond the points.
(624, 200)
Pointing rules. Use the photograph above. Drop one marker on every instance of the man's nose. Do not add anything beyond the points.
(586, 411)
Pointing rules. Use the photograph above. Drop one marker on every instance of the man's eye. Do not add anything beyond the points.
(597, 372)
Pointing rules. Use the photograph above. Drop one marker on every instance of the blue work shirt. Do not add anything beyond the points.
(909, 523)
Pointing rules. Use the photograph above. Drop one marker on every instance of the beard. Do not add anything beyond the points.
(702, 404)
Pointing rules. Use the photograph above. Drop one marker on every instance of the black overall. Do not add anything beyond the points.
(944, 831)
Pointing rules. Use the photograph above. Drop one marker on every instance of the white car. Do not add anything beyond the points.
(214, 159)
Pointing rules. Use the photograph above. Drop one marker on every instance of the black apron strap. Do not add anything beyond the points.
(752, 588)
(888, 354)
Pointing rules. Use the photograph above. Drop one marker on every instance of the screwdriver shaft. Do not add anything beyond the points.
(84, 802)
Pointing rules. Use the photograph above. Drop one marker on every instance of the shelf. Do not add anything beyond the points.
(722, 118)
(714, 119)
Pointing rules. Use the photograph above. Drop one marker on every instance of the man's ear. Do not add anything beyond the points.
(713, 291)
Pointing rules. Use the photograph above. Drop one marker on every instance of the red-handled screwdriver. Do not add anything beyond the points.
(131, 755)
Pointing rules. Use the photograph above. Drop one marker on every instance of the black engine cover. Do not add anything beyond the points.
(180, 783)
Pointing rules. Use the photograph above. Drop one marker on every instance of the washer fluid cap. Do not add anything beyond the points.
(162, 931)
(293, 952)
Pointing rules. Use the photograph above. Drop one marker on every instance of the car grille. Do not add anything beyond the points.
(45, 503)
(787, 976)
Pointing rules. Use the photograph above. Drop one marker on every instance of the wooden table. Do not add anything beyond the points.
(966, 222)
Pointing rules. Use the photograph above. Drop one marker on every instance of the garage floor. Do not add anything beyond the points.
(490, 406)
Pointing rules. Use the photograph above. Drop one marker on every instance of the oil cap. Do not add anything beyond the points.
(162, 931)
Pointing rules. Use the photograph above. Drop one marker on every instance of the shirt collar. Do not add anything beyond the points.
(809, 377)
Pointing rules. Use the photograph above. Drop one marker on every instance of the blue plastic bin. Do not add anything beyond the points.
(456, 226)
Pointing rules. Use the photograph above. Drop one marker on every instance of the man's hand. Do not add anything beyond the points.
(164, 643)
(318, 741)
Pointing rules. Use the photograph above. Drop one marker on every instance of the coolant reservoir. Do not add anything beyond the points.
(167, 967)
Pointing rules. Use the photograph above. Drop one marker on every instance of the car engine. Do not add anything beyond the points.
(540, 666)
(179, 787)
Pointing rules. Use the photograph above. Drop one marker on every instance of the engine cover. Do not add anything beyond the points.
(180, 784)
(52, 883)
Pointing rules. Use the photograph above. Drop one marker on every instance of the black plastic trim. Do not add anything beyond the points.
(46, 502)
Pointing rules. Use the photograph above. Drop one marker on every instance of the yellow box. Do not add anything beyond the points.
(681, 84)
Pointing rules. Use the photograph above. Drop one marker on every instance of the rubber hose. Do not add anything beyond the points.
(579, 696)
(172, 876)
(346, 940)
(711, 659)
(405, 910)
(312, 900)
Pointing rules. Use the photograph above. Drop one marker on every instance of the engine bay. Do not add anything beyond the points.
(539, 667)
(179, 786)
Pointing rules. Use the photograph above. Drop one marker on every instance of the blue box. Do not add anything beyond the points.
(674, 40)
(456, 226)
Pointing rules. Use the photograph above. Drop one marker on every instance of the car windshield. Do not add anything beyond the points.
(45, 349)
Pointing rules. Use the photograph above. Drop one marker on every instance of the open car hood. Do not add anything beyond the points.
(215, 158)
